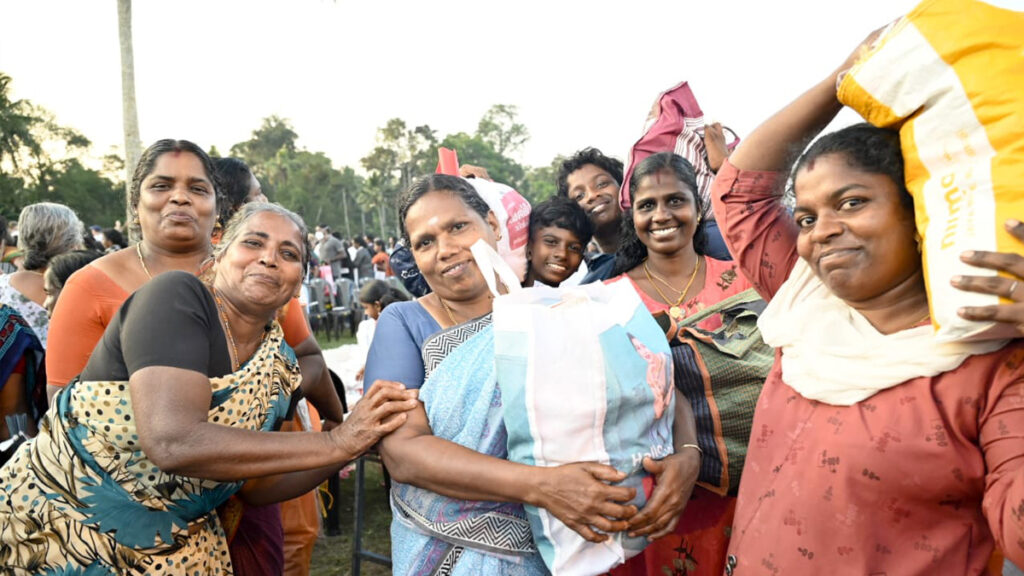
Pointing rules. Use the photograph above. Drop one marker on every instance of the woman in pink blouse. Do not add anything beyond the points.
(875, 449)
(663, 255)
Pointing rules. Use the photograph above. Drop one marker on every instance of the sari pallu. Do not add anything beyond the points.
(82, 497)
(19, 342)
(437, 535)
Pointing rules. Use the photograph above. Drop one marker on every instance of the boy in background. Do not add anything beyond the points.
(559, 233)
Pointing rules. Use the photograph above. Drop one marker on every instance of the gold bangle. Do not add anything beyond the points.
(694, 446)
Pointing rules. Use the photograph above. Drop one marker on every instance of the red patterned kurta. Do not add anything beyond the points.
(698, 545)
(920, 479)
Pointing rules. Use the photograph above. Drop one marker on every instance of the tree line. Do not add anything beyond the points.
(40, 160)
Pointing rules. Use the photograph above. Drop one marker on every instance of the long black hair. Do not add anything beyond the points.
(66, 264)
(380, 292)
(234, 179)
(632, 252)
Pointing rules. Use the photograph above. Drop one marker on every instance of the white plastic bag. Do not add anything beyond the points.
(513, 212)
(585, 374)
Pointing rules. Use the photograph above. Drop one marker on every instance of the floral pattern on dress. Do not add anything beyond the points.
(83, 497)
(33, 313)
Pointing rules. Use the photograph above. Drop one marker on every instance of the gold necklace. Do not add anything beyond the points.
(138, 250)
(203, 266)
(447, 309)
(227, 330)
(926, 316)
(651, 274)
(674, 310)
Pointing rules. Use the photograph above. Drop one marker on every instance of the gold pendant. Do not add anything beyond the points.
(675, 312)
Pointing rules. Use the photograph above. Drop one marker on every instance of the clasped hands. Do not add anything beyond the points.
(583, 496)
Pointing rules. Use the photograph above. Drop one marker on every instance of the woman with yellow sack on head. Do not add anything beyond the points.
(876, 447)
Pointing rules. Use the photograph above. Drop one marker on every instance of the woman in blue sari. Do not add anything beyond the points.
(457, 501)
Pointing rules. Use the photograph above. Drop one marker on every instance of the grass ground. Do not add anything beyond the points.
(332, 555)
(327, 343)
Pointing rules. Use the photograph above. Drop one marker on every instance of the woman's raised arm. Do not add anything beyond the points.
(769, 146)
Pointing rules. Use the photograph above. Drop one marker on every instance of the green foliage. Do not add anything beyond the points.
(539, 184)
(475, 150)
(274, 135)
(501, 129)
(304, 181)
(400, 156)
(40, 160)
(17, 121)
(307, 183)
(94, 197)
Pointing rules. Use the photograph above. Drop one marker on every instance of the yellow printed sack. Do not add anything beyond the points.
(950, 76)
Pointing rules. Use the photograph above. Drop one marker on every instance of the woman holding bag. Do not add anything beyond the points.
(877, 449)
(448, 459)
(664, 256)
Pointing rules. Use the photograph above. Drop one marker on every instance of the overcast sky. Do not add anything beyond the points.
(583, 73)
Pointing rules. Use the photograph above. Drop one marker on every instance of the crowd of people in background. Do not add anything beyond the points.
(166, 409)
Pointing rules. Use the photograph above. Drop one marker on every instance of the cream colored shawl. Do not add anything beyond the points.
(831, 353)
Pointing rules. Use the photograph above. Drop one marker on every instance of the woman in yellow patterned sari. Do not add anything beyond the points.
(169, 419)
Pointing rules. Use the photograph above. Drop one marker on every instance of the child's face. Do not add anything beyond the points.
(555, 254)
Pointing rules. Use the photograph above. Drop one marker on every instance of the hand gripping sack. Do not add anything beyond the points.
(950, 76)
(585, 374)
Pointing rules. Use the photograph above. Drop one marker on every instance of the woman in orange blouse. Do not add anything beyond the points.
(176, 235)
(177, 224)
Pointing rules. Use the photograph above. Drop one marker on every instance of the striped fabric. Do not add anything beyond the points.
(676, 124)
(723, 405)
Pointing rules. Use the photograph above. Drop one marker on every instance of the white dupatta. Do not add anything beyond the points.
(832, 354)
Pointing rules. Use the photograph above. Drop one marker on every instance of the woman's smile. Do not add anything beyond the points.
(265, 278)
(455, 270)
(180, 216)
(664, 232)
(600, 207)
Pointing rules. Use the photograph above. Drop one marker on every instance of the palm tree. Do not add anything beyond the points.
(132, 142)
